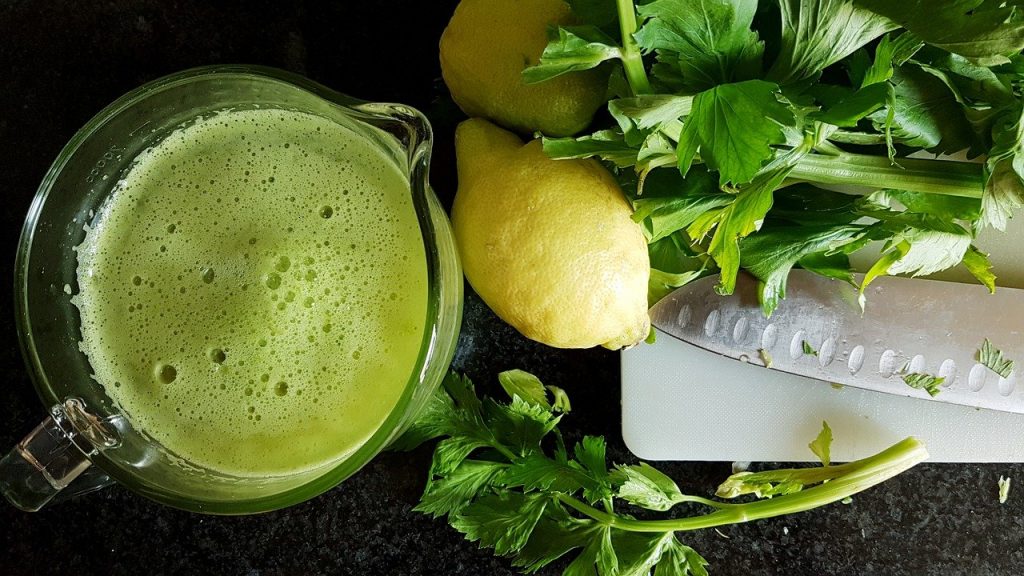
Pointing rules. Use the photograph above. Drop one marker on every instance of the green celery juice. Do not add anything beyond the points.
(253, 293)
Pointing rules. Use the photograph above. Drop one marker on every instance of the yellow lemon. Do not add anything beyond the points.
(548, 244)
(484, 50)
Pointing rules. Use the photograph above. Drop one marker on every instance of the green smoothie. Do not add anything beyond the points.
(253, 293)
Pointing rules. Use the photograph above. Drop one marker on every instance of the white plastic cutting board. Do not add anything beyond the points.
(682, 403)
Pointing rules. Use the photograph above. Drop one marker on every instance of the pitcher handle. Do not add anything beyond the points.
(53, 455)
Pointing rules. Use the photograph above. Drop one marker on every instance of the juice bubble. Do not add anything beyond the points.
(273, 281)
(326, 211)
(217, 355)
(283, 264)
(208, 275)
(165, 373)
(281, 388)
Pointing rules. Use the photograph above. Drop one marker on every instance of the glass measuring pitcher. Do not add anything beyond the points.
(89, 436)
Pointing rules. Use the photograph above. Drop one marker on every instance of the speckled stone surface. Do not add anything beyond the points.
(60, 62)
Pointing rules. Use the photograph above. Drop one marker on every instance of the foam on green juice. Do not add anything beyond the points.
(253, 293)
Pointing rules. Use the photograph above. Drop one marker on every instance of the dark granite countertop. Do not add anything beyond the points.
(60, 62)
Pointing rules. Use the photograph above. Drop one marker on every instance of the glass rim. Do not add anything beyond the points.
(439, 298)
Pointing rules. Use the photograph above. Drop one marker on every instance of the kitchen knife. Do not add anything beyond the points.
(909, 327)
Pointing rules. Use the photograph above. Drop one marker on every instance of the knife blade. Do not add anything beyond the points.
(909, 326)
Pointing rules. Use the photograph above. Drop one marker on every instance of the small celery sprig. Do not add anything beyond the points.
(992, 358)
(504, 477)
